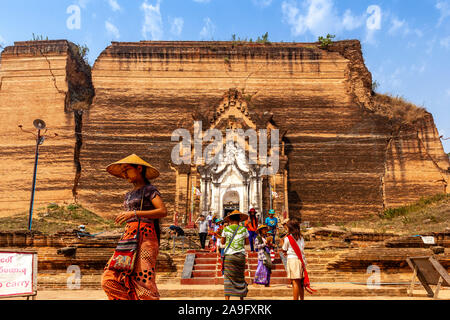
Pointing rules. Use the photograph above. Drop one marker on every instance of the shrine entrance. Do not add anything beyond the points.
(230, 202)
(238, 178)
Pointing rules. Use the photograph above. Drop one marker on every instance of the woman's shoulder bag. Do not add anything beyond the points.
(124, 258)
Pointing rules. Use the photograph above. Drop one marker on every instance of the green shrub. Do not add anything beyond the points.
(264, 39)
(326, 42)
(38, 37)
(72, 207)
(83, 51)
(52, 206)
(375, 85)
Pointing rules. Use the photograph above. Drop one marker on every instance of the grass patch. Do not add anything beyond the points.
(55, 218)
(419, 205)
(397, 108)
(429, 214)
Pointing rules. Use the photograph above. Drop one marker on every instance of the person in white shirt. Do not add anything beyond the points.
(294, 266)
(202, 230)
(210, 220)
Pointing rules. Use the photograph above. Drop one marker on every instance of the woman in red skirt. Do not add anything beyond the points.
(141, 283)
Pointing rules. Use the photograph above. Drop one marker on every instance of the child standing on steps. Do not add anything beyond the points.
(294, 247)
(264, 269)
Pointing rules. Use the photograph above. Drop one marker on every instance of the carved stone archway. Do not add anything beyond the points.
(233, 171)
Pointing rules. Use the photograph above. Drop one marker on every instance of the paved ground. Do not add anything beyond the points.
(100, 295)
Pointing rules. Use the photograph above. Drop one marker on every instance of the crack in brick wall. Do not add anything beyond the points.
(51, 73)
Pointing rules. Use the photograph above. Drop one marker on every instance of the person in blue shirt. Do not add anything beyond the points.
(272, 223)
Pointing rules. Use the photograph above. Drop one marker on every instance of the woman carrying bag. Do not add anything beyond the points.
(235, 237)
(130, 273)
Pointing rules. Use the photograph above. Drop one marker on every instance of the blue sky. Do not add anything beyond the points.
(406, 43)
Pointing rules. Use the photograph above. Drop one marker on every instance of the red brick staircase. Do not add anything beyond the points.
(207, 269)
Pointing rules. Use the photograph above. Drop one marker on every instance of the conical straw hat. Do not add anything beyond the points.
(262, 227)
(116, 168)
(237, 212)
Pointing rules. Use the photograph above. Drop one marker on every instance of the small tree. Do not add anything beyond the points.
(325, 42)
(83, 50)
(375, 85)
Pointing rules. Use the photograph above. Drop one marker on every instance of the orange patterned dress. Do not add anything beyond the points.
(141, 284)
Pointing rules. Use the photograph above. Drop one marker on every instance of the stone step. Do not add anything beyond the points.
(205, 267)
(199, 261)
(254, 261)
(256, 291)
(216, 273)
(219, 281)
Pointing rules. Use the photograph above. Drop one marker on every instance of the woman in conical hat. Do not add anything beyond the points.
(142, 203)
(234, 216)
(235, 237)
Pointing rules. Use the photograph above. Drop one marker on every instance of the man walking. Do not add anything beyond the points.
(202, 230)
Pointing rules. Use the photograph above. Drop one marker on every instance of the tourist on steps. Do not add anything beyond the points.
(235, 237)
(202, 230)
(210, 218)
(143, 205)
(294, 248)
(252, 225)
(176, 232)
(264, 269)
(214, 239)
(220, 225)
(272, 223)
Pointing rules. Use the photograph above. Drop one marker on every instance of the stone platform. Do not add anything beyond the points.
(336, 268)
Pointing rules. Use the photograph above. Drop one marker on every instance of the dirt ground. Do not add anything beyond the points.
(70, 295)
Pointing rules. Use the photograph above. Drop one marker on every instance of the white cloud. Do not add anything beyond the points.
(114, 5)
(202, 1)
(370, 36)
(320, 18)
(396, 25)
(402, 28)
(176, 26)
(262, 3)
(152, 20)
(112, 30)
(208, 29)
(2, 41)
(83, 3)
(351, 22)
(417, 69)
(430, 46)
(448, 92)
(444, 7)
(394, 80)
(445, 42)
(390, 77)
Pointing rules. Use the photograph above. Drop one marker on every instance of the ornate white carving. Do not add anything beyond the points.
(234, 155)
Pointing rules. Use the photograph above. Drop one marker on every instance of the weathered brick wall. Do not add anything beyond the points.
(336, 144)
(416, 164)
(345, 160)
(39, 79)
